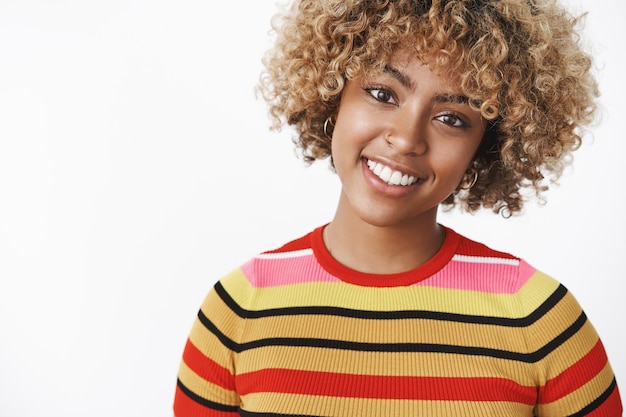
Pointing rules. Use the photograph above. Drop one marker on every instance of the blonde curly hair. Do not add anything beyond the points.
(520, 62)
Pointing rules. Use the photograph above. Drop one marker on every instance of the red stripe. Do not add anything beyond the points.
(385, 387)
(186, 407)
(207, 368)
(575, 376)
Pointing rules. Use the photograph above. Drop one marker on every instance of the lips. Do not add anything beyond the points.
(391, 176)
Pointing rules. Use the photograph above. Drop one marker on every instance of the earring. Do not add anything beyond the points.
(329, 122)
(465, 184)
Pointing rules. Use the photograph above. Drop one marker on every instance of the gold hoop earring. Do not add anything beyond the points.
(467, 185)
(329, 122)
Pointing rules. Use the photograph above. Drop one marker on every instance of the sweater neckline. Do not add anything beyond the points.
(413, 276)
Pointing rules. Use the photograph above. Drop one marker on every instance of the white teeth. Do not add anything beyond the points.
(385, 175)
(390, 176)
(396, 178)
(378, 168)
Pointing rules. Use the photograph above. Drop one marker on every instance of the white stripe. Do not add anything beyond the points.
(286, 255)
(485, 260)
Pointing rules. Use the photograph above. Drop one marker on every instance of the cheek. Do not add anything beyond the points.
(355, 122)
(454, 161)
(345, 140)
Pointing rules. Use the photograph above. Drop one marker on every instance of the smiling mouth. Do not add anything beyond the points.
(391, 176)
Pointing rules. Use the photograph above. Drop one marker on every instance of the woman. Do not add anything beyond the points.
(384, 311)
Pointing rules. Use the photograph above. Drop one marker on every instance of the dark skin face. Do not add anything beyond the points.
(402, 141)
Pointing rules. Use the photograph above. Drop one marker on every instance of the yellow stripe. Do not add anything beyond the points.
(359, 407)
(553, 323)
(388, 331)
(222, 316)
(570, 352)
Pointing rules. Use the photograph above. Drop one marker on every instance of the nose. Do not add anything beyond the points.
(407, 133)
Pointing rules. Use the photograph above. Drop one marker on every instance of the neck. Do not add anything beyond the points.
(385, 249)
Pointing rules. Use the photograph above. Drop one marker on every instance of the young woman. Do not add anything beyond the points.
(384, 311)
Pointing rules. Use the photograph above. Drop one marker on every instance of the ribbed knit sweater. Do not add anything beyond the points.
(473, 332)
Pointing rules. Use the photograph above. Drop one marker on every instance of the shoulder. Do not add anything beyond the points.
(277, 267)
(502, 272)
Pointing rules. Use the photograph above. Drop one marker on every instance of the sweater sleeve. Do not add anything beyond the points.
(574, 376)
(206, 377)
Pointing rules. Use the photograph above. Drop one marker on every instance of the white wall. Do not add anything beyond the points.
(136, 168)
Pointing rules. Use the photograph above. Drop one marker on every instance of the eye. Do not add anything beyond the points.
(452, 120)
(381, 94)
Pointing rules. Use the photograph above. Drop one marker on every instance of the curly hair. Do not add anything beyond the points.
(520, 62)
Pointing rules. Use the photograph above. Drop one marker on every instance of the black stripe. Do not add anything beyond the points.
(394, 347)
(204, 402)
(548, 304)
(598, 401)
(562, 338)
(226, 341)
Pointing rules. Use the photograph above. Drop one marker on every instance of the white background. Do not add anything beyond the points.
(136, 168)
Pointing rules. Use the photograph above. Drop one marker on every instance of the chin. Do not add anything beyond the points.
(381, 219)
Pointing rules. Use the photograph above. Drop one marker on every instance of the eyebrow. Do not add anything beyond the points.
(451, 98)
(408, 83)
(401, 77)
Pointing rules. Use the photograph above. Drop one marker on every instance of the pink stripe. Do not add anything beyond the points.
(461, 275)
(480, 277)
(277, 272)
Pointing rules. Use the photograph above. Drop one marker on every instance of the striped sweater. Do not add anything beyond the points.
(473, 332)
